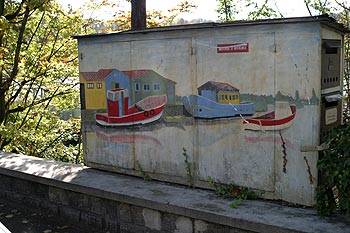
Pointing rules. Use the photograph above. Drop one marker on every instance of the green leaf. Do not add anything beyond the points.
(236, 203)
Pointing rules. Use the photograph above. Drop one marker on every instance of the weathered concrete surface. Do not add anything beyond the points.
(200, 205)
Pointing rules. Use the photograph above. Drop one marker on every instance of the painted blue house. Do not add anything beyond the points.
(118, 79)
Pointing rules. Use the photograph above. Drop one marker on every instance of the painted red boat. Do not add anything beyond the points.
(119, 113)
(281, 118)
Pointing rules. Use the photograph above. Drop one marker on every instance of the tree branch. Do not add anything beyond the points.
(51, 144)
(19, 45)
(33, 101)
(308, 7)
(22, 108)
(343, 5)
(16, 13)
(2, 7)
(36, 29)
(47, 105)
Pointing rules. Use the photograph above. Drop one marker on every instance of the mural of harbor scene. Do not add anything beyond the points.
(138, 112)
(141, 97)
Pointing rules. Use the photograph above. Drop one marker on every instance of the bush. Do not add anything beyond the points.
(333, 192)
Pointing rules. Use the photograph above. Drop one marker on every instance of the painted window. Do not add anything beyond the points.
(110, 95)
(90, 86)
(99, 85)
(156, 87)
(146, 87)
(115, 85)
(137, 86)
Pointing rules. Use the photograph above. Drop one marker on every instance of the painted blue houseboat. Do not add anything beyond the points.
(216, 100)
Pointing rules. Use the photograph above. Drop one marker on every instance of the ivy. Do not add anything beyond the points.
(333, 192)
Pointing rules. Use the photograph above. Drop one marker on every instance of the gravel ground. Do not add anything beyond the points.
(23, 219)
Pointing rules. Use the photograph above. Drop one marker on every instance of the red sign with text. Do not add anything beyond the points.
(233, 48)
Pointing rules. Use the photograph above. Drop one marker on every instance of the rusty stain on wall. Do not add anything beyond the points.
(309, 170)
(284, 152)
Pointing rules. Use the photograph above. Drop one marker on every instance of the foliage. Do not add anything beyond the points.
(188, 167)
(344, 18)
(231, 190)
(228, 10)
(319, 7)
(260, 11)
(144, 175)
(122, 18)
(38, 61)
(334, 165)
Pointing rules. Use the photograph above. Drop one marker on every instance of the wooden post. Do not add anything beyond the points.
(138, 14)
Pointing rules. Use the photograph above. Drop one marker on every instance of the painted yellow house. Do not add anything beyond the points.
(92, 89)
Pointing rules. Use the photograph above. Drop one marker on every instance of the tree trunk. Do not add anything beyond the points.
(138, 14)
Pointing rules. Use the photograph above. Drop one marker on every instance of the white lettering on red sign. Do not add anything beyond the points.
(233, 48)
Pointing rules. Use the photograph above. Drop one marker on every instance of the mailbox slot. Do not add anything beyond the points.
(331, 100)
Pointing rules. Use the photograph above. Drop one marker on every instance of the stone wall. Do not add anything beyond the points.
(101, 213)
(117, 203)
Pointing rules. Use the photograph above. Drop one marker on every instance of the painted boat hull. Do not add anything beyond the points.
(151, 110)
(128, 120)
(202, 107)
(268, 121)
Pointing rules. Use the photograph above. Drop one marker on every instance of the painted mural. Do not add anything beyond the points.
(135, 85)
(242, 101)
(130, 99)
(120, 113)
(217, 99)
(281, 118)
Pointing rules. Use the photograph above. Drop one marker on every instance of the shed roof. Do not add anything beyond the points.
(324, 20)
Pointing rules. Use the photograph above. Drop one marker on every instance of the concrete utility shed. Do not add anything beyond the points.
(275, 91)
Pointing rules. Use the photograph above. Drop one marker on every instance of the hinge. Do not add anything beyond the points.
(193, 51)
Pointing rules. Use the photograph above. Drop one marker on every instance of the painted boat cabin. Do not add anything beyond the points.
(223, 93)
